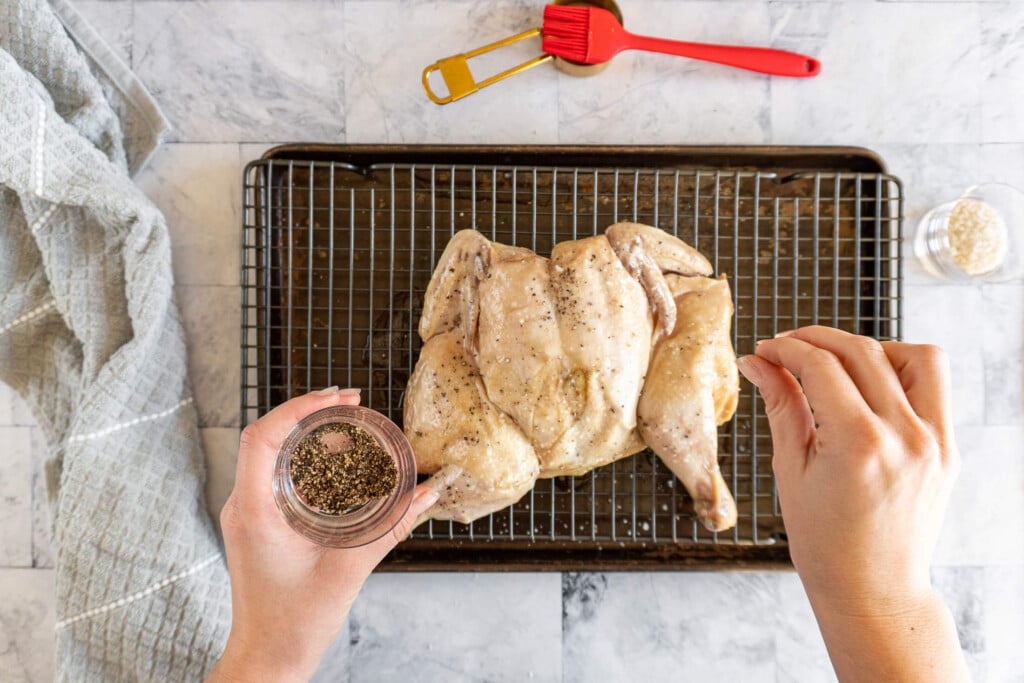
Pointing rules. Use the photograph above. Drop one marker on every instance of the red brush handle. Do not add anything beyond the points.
(761, 59)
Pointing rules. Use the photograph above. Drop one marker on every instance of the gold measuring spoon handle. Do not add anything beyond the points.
(458, 77)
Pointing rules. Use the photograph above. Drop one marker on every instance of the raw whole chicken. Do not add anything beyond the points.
(538, 367)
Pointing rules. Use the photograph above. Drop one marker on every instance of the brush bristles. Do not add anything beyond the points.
(566, 31)
(566, 12)
(577, 52)
(557, 35)
(566, 22)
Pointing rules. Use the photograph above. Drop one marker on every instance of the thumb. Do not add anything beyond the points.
(789, 414)
(423, 497)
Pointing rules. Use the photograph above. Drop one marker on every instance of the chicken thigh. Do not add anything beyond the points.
(480, 459)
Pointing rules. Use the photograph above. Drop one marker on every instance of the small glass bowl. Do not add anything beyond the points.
(366, 523)
(931, 241)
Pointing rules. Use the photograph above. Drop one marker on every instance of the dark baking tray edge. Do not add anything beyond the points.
(783, 157)
(420, 556)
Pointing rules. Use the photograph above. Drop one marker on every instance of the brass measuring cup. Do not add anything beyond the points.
(458, 77)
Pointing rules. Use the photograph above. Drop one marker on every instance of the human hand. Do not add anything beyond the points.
(864, 459)
(289, 596)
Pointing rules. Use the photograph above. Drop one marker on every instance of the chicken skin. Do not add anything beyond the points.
(534, 367)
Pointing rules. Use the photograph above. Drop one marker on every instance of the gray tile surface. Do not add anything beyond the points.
(884, 78)
(13, 411)
(984, 524)
(244, 71)
(1003, 598)
(925, 322)
(962, 588)
(16, 497)
(198, 189)
(1002, 67)
(800, 653)
(457, 627)
(702, 626)
(1002, 341)
(211, 317)
(220, 446)
(26, 623)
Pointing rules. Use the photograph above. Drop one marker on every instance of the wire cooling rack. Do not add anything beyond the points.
(340, 243)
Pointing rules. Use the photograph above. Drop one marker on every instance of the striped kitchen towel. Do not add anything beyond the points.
(91, 339)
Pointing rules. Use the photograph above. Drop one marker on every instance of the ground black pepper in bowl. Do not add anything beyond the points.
(339, 467)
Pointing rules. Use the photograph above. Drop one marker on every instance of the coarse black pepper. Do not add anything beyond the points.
(339, 467)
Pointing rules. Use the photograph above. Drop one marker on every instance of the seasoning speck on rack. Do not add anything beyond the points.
(339, 467)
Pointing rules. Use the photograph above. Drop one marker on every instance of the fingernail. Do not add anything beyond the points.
(350, 392)
(329, 391)
(748, 369)
(784, 333)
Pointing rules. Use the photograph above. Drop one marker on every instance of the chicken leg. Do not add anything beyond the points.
(692, 386)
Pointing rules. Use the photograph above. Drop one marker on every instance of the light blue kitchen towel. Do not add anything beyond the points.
(91, 338)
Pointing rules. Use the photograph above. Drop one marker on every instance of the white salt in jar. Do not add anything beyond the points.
(978, 236)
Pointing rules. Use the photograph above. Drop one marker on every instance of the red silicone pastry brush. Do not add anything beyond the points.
(591, 35)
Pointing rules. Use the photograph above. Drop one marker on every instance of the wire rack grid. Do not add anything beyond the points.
(337, 258)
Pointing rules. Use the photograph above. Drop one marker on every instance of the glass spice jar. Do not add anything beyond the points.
(979, 236)
(360, 525)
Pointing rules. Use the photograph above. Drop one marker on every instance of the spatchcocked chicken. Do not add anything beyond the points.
(538, 367)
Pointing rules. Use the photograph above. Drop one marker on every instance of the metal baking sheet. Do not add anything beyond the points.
(340, 242)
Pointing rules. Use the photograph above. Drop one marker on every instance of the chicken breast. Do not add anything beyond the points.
(520, 356)
(605, 327)
(452, 297)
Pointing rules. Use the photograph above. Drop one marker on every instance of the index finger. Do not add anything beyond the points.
(260, 441)
(865, 362)
(830, 391)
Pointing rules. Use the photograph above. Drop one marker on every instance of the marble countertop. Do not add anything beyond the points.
(936, 88)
